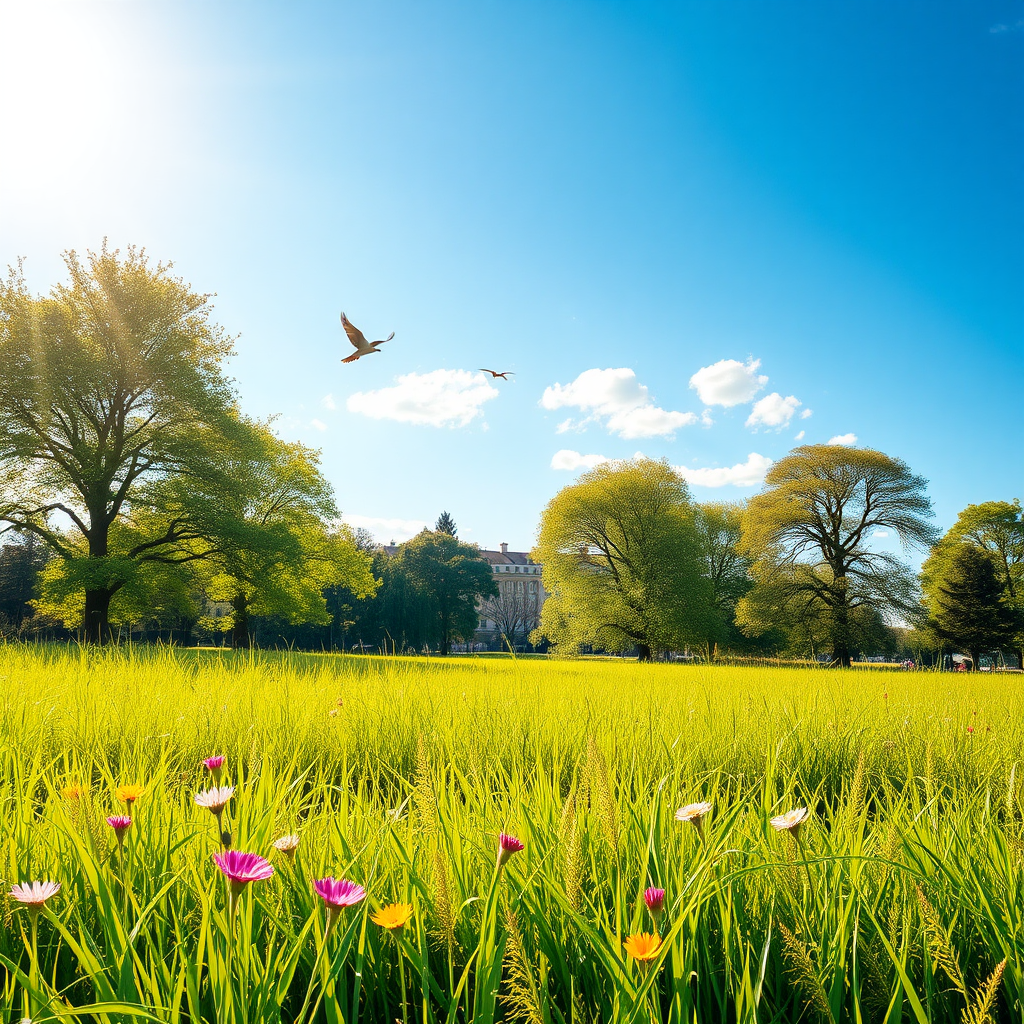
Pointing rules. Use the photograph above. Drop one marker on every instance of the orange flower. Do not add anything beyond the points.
(643, 947)
(393, 916)
(72, 792)
(128, 793)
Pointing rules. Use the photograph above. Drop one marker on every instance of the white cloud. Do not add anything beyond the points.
(328, 403)
(569, 460)
(843, 439)
(386, 529)
(564, 426)
(440, 398)
(616, 397)
(880, 534)
(800, 436)
(728, 382)
(318, 424)
(773, 411)
(743, 474)
(806, 414)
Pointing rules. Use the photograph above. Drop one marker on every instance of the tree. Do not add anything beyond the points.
(445, 524)
(967, 603)
(270, 551)
(622, 562)
(514, 609)
(808, 535)
(719, 530)
(108, 383)
(997, 528)
(21, 562)
(453, 578)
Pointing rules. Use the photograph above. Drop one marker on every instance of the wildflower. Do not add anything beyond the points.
(34, 894)
(694, 814)
(393, 917)
(507, 845)
(336, 894)
(240, 869)
(655, 900)
(120, 823)
(287, 845)
(214, 765)
(970, 730)
(128, 794)
(215, 799)
(73, 792)
(790, 821)
(643, 947)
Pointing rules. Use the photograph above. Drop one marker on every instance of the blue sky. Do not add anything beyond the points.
(692, 230)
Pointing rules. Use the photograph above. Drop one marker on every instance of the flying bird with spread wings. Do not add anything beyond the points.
(504, 375)
(362, 346)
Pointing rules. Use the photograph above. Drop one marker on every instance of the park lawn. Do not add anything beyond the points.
(896, 900)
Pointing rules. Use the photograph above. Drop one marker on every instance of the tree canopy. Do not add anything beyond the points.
(808, 534)
(107, 383)
(622, 561)
(453, 577)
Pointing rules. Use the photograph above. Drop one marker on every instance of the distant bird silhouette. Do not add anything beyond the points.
(362, 346)
(494, 373)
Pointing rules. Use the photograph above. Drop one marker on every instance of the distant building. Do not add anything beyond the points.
(515, 612)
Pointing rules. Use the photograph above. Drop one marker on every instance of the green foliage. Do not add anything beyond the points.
(445, 524)
(808, 534)
(112, 384)
(967, 602)
(452, 578)
(997, 529)
(902, 901)
(622, 561)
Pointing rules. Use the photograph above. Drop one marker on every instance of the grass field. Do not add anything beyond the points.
(899, 899)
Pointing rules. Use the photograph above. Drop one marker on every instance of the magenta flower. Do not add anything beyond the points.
(655, 900)
(507, 845)
(120, 823)
(34, 894)
(240, 869)
(336, 894)
(214, 765)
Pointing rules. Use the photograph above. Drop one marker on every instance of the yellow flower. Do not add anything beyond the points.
(393, 916)
(128, 794)
(643, 947)
(72, 792)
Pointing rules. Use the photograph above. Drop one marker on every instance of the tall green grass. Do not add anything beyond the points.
(901, 903)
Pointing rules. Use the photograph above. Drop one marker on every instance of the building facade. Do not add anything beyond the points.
(515, 612)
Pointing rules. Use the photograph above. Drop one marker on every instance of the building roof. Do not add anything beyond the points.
(506, 557)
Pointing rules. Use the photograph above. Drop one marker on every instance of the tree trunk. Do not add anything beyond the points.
(644, 653)
(97, 615)
(240, 630)
(841, 634)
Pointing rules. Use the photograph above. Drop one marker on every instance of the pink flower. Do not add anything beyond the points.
(339, 892)
(120, 823)
(240, 869)
(336, 894)
(214, 765)
(34, 894)
(216, 799)
(507, 845)
(655, 900)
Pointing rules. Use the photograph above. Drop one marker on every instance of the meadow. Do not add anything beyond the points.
(899, 898)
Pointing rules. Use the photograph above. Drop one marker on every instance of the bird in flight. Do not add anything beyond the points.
(362, 346)
(494, 373)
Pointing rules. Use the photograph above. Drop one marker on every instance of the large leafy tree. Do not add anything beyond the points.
(112, 385)
(452, 577)
(269, 548)
(997, 528)
(623, 562)
(719, 531)
(967, 602)
(809, 534)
